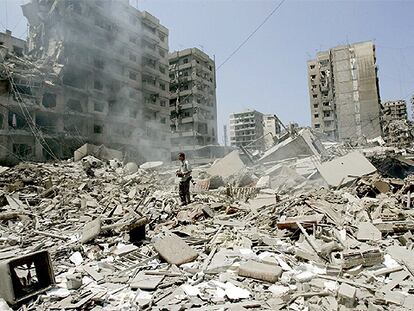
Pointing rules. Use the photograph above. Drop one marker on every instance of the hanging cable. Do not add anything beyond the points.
(251, 35)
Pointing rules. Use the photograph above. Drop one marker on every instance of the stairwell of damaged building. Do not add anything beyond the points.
(96, 72)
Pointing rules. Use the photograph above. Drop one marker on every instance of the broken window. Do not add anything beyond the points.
(18, 50)
(132, 57)
(22, 150)
(312, 66)
(98, 63)
(202, 128)
(16, 121)
(97, 129)
(74, 105)
(97, 85)
(185, 60)
(49, 100)
(132, 75)
(316, 115)
(98, 106)
(133, 39)
(315, 95)
(74, 79)
(315, 105)
(317, 126)
(313, 76)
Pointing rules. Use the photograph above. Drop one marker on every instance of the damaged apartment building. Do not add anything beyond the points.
(344, 92)
(253, 129)
(192, 100)
(96, 72)
(396, 128)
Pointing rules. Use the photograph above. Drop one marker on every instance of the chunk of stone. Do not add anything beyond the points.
(91, 230)
(260, 271)
(174, 250)
(347, 295)
(368, 232)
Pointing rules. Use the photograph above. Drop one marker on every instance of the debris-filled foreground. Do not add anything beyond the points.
(94, 235)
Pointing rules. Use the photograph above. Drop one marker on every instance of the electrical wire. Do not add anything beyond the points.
(251, 35)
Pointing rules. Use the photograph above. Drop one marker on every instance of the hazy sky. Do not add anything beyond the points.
(269, 73)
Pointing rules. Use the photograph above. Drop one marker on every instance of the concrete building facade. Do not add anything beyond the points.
(394, 110)
(271, 129)
(344, 92)
(246, 128)
(193, 105)
(109, 83)
(12, 44)
(412, 106)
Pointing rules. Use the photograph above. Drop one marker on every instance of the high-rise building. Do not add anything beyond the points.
(246, 129)
(192, 100)
(412, 106)
(104, 80)
(271, 129)
(12, 44)
(344, 92)
(394, 110)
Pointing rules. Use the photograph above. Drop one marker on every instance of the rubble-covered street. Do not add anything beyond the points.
(267, 236)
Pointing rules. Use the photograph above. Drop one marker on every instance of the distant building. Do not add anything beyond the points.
(13, 44)
(271, 129)
(193, 107)
(394, 110)
(246, 128)
(344, 92)
(412, 106)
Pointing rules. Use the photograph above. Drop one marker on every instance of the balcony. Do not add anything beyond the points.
(152, 88)
(327, 108)
(329, 118)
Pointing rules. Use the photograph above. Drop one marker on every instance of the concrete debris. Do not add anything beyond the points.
(345, 169)
(174, 250)
(260, 271)
(121, 241)
(100, 152)
(228, 166)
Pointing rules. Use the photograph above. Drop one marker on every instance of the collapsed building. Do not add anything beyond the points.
(192, 101)
(397, 129)
(344, 92)
(97, 72)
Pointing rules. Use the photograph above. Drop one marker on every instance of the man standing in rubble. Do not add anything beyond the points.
(184, 173)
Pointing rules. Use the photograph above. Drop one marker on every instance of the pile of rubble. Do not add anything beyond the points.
(287, 231)
(398, 133)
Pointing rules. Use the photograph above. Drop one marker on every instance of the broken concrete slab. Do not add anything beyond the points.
(227, 166)
(174, 250)
(303, 144)
(101, 152)
(260, 271)
(147, 282)
(345, 169)
(368, 232)
(347, 295)
(91, 230)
